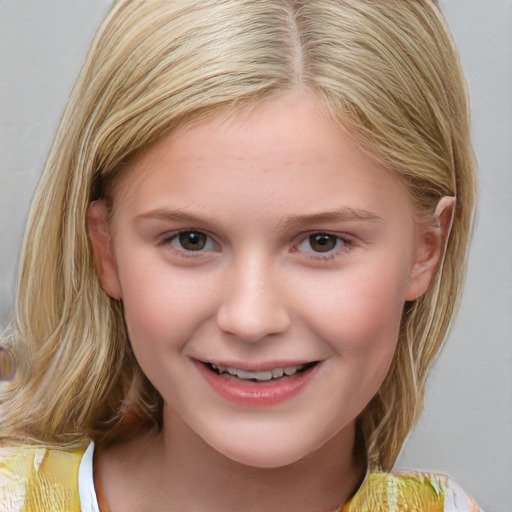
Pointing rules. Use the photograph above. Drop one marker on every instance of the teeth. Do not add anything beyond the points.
(274, 373)
(242, 374)
(277, 372)
(291, 370)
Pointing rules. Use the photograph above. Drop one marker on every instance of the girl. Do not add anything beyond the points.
(242, 258)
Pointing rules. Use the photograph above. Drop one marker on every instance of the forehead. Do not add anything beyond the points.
(283, 153)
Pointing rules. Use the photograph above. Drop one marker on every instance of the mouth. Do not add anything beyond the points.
(262, 385)
(271, 374)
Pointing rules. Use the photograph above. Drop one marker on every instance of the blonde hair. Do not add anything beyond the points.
(388, 71)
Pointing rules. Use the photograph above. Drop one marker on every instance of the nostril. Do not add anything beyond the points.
(253, 324)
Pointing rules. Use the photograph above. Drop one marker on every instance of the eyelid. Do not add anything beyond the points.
(347, 242)
(168, 238)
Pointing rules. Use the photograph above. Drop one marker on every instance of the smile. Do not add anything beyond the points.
(265, 375)
(261, 386)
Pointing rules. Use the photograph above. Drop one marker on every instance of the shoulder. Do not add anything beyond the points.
(35, 478)
(428, 492)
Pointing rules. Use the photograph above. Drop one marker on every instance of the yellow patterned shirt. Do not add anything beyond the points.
(39, 479)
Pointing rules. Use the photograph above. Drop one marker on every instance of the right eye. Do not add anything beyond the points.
(191, 241)
(321, 243)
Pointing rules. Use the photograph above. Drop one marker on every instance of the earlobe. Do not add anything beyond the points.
(431, 248)
(99, 232)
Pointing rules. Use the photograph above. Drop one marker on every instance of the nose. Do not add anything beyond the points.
(253, 304)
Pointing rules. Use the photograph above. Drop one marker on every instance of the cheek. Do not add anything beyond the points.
(360, 325)
(358, 314)
(162, 314)
(163, 308)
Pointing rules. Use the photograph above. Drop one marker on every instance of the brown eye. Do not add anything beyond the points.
(323, 242)
(192, 240)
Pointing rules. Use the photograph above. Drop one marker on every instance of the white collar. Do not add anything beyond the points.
(86, 490)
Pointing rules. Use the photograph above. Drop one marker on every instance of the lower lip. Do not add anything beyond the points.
(248, 393)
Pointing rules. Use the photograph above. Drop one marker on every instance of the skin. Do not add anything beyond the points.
(260, 293)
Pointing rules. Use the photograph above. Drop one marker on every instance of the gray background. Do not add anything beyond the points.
(466, 430)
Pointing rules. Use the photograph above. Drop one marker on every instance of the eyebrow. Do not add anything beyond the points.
(294, 222)
(332, 216)
(164, 214)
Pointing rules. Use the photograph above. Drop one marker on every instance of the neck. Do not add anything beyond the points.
(176, 470)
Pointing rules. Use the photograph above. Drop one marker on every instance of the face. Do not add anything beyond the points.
(263, 262)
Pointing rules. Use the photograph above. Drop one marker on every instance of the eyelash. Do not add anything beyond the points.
(183, 252)
(343, 244)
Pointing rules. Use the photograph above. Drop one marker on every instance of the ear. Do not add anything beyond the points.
(98, 228)
(430, 249)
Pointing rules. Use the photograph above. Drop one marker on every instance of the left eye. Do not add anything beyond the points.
(320, 242)
(192, 241)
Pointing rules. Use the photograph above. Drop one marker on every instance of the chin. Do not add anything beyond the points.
(264, 458)
(263, 451)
